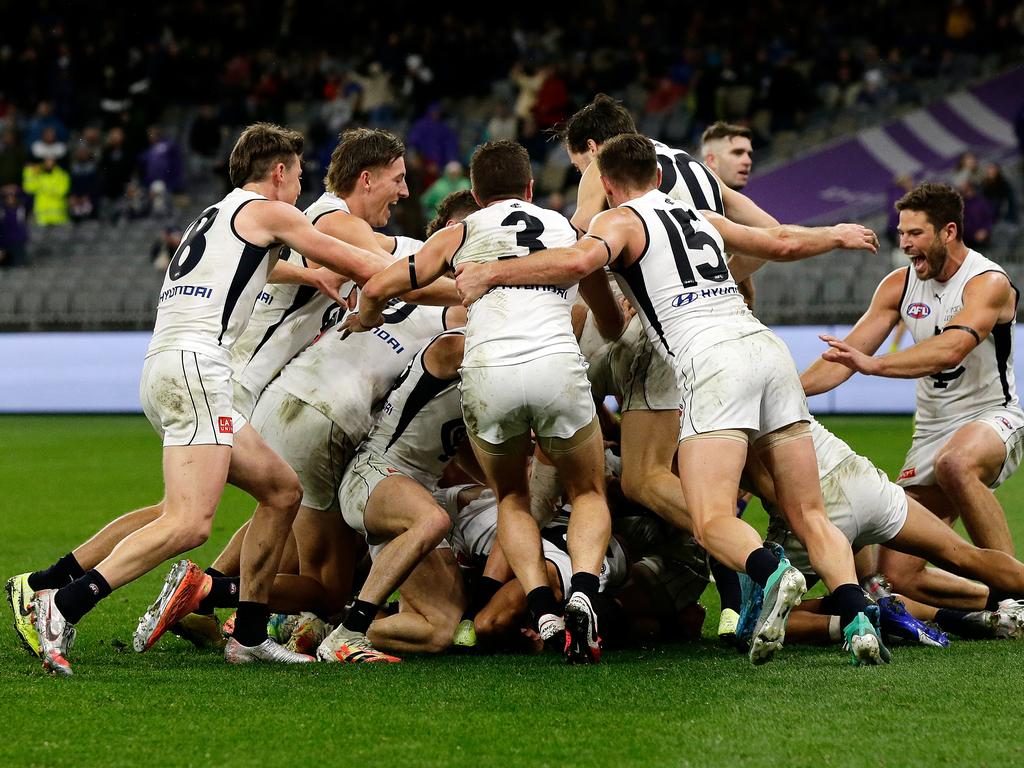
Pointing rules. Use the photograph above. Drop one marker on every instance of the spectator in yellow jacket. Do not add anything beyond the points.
(49, 184)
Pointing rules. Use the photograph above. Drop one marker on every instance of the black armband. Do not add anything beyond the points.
(606, 247)
(974, 333)
(412, 272)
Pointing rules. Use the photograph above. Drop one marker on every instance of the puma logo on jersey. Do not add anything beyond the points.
(918, 310)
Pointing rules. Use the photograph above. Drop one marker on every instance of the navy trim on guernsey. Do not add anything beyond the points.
(906, 285)
(248, 263)
(235, 231)
(462, 242)
(303, 295)
(320, 215)
(634, 276)
(426, 389)
(1002, 336)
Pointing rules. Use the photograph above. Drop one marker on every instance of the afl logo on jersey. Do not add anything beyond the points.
(683, 299)
(917, 311)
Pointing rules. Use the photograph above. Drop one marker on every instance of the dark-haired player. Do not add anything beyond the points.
(669, 260)
(961, 310)
(650, 426)
(522, 372)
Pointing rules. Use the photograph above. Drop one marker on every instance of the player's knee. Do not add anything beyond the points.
(953, 469)
(284, 492)
(194, 534)
(634, 483)
(488, 625)
(431, 527)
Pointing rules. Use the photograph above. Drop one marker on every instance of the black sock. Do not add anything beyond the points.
(542, 600)
(223, 594)
(761, 564)
(727, 582)
(251, 623)
(848, 600)
(486, 588)
(360, 616)
(76, 599)
(955, 621)
(63, 572)
(994, 598)
(584, 582)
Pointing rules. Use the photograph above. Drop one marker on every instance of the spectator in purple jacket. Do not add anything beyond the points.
(978, 219)
(162, 162)
(13, 228)
(434, 141)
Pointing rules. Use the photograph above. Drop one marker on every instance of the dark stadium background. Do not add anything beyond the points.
(139, 107)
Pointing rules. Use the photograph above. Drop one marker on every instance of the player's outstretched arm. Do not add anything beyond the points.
(743, 210)
(874, 326)
(788, 242)
(404, 275)
(270, 221)
(985, 297)
(553, 266)
(324, 280)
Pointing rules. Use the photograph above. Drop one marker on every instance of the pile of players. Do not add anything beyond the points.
(428, 476)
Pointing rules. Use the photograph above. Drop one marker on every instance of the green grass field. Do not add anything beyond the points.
(64, 477)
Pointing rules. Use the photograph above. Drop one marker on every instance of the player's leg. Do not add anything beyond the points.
(402, 513)
(965, 467)
(912, 576)
(260, 472)
(21, 588)
(499, 622)
(505, 468)
(433, 599)
(925, 536)
(327, 553)
(649, 441)
(788, 453)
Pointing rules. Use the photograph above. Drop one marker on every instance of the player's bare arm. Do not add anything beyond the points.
(352, 229)
(324, 280)
(263, 222)
(590, 198)
(743, 210)
(404, 275)
(867, 335)
(609, 235)
(789, 242)
(607, 311)
(987, 300)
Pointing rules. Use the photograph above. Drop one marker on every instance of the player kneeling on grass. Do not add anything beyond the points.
(669, 260)
(869, 509)
(384, 495)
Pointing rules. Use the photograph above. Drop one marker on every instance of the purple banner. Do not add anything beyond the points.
(850, 178)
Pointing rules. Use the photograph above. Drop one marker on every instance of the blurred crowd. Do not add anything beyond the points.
(84, 95)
